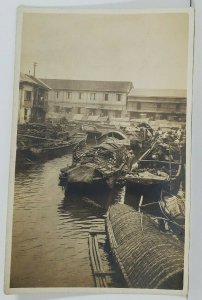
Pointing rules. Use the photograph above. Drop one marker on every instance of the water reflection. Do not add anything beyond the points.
(50, 232)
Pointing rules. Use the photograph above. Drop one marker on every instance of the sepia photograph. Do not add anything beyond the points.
(99, 191)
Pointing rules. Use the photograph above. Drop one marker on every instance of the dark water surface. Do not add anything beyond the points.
(50, 233)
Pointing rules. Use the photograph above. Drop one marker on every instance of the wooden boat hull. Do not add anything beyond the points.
(143, 185)
(99, 192)
(49, 153)
(143, 177)
(39, 153)
(100, 166)
(173, 208)
(146, 257)
(23, 157)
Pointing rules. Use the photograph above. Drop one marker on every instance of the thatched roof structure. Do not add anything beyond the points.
(147, 257)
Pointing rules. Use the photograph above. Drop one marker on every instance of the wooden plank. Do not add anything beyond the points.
(98, 271)
(104, 282)
(97, 232)
(37, 137)
(161, 161)
(97, 281)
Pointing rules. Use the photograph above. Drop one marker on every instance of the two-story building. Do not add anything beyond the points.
(88, 98)
(33, 96)
(157, 104)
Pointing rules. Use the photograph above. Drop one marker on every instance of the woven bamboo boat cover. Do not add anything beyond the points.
(147, 257)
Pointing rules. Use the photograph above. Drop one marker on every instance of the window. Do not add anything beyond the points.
(138, 105)
(178, 106)
(28, 95)
(67, 110)
(117, 114)
(26, 113)
(79, 110)
(106, 97)
(69, 95)
(104, 113)
(79, 95)
(118, 97)
(92, 112)
(92, 96)
(57, 94)
(158, 105)
(57, 109)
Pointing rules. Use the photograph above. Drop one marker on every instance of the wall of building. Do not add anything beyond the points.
(21, 106)
(26, 97)
(123, 106)
(40, 104)
(159, 108)
(87, 103)
(32, 103)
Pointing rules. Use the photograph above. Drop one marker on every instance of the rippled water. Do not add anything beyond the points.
(50, 233)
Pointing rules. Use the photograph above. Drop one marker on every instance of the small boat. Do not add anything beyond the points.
(146, 257)
(173, 211)
(94, 170)
(43, 149)
(141, 138)
(159, 167)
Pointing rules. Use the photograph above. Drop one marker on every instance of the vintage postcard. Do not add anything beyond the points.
(99, 191)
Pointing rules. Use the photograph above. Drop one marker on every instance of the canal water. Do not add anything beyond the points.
(50, 233)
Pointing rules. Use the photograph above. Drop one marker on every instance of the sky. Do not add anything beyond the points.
(151, 50)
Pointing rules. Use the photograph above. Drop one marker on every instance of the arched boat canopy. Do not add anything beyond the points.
(116, 134)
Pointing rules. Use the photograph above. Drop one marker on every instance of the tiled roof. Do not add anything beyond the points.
(89, 85)
(32, 80)
(169, 93)
(26, 78)
(41, 83)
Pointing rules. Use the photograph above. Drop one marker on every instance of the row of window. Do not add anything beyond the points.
(92, 96)
(117, 113)
(157, 116)
(92, 112)
(158, 106)
(39, 96)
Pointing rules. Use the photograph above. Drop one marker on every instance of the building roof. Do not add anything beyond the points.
(169, 93)
(26, 78)
(32, 80)
(41, 83)
(89, 85)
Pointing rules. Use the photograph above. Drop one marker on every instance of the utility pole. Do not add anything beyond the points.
(35, 64)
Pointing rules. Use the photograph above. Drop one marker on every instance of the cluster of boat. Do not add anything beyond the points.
(153, 164)
(145, 163)
(150, 166)
(39, 142)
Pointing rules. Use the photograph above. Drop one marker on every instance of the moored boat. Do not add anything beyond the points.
(147, 257)
(96, 169)
(173, 211)
(43, 149)
(159, 167)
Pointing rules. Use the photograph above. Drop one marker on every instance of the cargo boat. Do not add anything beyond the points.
(160, 167)
(44, 149)
(147, 257)
(95, 170)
